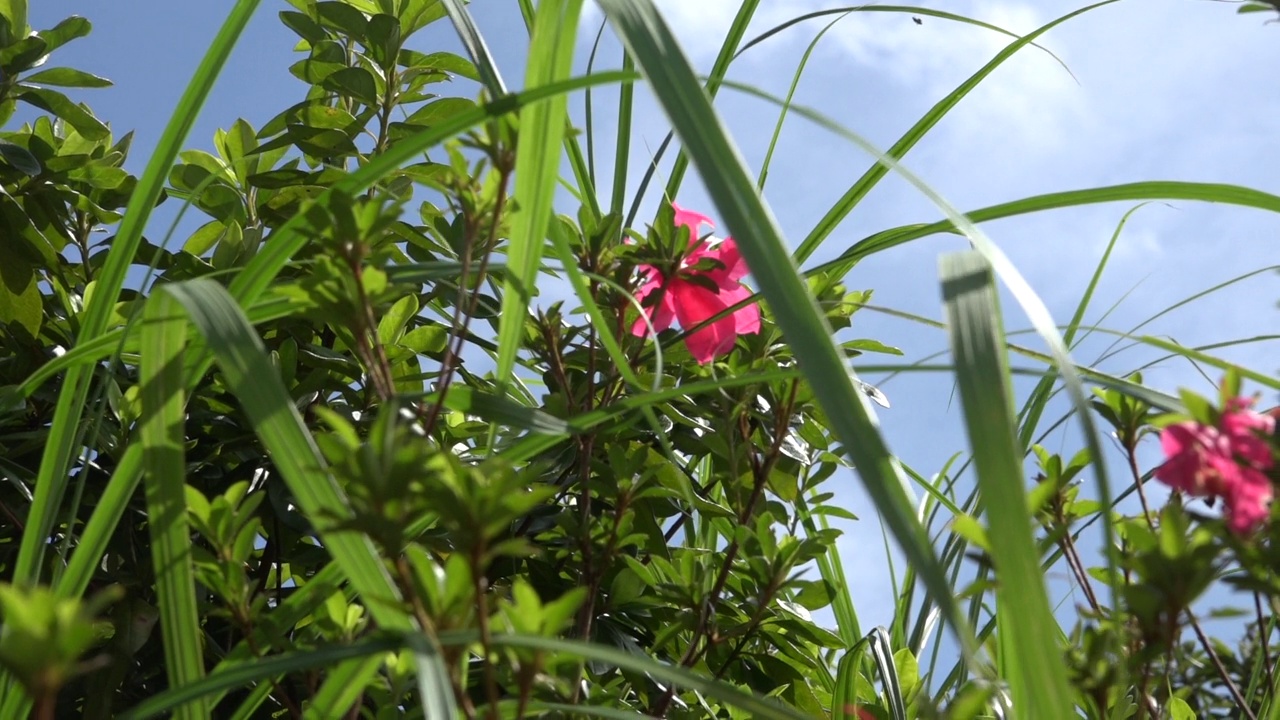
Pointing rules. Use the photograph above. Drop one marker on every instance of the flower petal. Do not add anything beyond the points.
(747, 319)
(660, 315)
(692, 220)
(694, 304)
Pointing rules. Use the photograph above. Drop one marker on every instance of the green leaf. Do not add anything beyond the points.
(67, 77)
(19, 158)
(20, 301)
(354, 82)
(64, 32)
(77, 116)
(1037, 675)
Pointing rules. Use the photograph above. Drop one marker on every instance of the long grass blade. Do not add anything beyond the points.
(164, 457)
(1150, 190)
(723, 171)
(872, 177)
(240, 676)
(1036, 673)
(52, 479)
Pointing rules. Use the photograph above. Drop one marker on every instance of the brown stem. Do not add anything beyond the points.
(1264, 639)
(461, 323)
(1222, 670)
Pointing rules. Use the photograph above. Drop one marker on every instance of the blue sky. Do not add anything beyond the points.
(1161, 91)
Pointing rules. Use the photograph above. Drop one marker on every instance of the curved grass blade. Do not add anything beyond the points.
(475, 46)
(343, 687)
(1036, 673)
(1038, 399)
(542, 128)
(723, 171)
(255, 383)
(872, 177)
(791, 93)
(55, 463)
(164, 460)
(728, 51)
(1151, 190)
(622, 144)
(758, 707)
(286, 663)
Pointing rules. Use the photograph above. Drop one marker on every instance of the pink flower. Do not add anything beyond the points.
(685, 296)
(1228, 461)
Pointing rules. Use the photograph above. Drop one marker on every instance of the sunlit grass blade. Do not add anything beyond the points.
(723, 171)
(1152, 190)
(282, 664)
(882, 653)
(871, 177)
(164, 459)
(56, 460)
(1037, 674)
(256, 384)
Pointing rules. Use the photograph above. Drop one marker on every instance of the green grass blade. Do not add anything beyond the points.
(791, 93)
(872, 177)
(728, 50)
(342, 688)
(52, 480)
(286, 663)
(1037, 674)
(622, 145)
(723, 171)
(1150, 190)
(256, 384)
(473, 43)
(757, 707)
(1033, 409)
(164, 459)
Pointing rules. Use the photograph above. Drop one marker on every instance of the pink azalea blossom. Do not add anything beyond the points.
(683, 298)
(1227, 461)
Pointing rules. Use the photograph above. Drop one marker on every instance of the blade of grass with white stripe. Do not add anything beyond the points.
(251, 378)
(55, 463)
(1036, 673)
(164, 458)
(723, 171)
(542, 128)
(872, 177)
